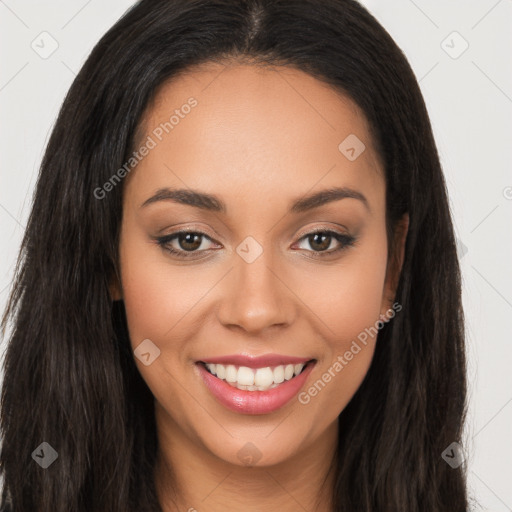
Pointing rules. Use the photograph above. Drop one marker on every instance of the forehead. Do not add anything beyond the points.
(251, 127)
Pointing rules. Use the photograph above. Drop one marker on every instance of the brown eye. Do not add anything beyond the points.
(185, 244)
(319, 241)
(189, 241)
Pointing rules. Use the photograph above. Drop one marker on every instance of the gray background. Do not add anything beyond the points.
(469, 97)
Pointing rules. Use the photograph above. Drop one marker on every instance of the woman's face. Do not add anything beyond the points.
(252, 279)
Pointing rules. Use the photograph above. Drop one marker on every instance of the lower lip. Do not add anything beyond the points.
(254, 402)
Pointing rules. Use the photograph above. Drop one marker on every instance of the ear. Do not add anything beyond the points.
(394, 266)
(115, 288)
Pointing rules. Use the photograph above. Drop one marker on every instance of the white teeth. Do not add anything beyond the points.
(279, 374)
(264, 377)
(252, 388)
(220, 371)
(298, 368)
(260, 379)
(245, 376)
(231, 373)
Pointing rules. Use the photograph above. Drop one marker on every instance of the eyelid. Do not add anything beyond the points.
(175, 234)
(322, 229)
(189, 228)
(345, 239)
(299, 236)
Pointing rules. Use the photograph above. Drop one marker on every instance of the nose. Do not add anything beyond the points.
(256, 297)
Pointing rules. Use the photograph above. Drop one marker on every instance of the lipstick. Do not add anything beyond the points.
(252, 401)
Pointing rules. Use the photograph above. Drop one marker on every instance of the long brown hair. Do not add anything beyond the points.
(69, 375)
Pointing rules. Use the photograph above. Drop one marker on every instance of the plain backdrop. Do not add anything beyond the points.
(460, 51)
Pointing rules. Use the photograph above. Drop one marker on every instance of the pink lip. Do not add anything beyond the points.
(254, 402)
(256, 362)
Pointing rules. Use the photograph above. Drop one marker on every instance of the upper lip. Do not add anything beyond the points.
(256, 361)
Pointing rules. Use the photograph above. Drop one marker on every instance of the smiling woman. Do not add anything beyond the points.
(239, 287)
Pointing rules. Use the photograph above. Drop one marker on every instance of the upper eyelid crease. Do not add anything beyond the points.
(196, 231)
(213, 203)
(348, 241)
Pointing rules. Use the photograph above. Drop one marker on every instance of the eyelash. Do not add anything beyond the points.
(346, 241)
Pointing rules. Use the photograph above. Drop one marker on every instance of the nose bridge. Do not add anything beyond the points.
(256, 298)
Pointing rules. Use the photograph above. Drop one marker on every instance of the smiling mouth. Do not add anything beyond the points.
(256, 379)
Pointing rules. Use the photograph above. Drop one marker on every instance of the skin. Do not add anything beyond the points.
(258, 139)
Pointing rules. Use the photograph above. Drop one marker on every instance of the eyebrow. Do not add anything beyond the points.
(213, 203)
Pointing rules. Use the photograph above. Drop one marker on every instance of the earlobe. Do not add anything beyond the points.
(395, 264)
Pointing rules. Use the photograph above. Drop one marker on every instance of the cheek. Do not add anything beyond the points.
(355, 298)
(159, 300)
(347, 305)
(158, 295)
(349, 296)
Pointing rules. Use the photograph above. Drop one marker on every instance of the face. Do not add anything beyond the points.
(273, 286)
